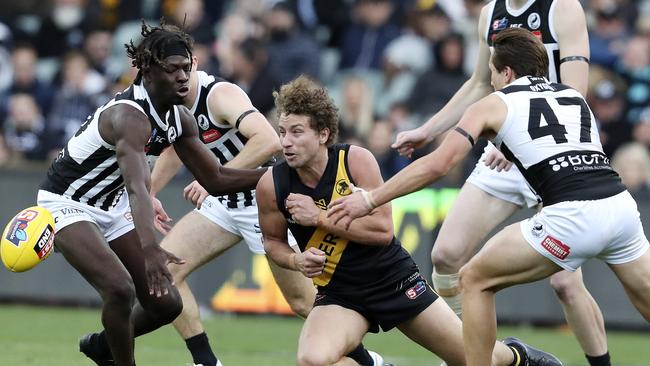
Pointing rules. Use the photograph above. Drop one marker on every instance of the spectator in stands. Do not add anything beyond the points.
(634, 66)
(63, 29)
(190, 16)
(5, 60)
(252, 72)
(325, 20)
(608, 36)
(632, 163)
(436, 87)
(368, 35)
(233, 30)
(606, 96)
(97, 47)
(379, 140)
(25, 80)
(356, 107)
(79, 95)
(292, 52)
(24, 130)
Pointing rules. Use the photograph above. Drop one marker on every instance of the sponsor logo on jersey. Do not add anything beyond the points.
(343, 187)
(581, 162)
(417, 290)
(557, 248)
(257, 229)
(537, 229)
(321, 203)
(210, 136)
(500, 24)
(534, 21)
(16, 232)
(203, 122)
(172, 134)
(45, 242)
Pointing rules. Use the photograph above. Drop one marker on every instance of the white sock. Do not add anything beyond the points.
(446, 286)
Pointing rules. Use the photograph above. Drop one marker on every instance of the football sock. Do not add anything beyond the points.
(199, 347)
(520, 358)
(361, 356)
(602, 360)
(446, 286)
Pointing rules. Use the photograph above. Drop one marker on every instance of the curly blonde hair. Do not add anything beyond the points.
(304, 96)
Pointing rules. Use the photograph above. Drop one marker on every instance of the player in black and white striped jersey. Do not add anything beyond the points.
(240, 137)
(97, 191)
(549, 132)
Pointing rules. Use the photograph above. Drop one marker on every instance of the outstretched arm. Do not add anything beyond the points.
(571, 29)
(216, 179)
(480, 118)
(375, 229)
(129, 130)
(477, 87)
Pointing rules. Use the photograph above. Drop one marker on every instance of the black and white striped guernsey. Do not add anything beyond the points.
(86, 170)
(220, 137)
(537, 17)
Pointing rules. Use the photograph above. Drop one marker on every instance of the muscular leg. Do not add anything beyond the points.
(581, 312)
(85, 248)
(635, 277)
(507, 259)
(329, 333)
(197, 240)
(440, 331)
(298, 290)
(456, 243)
(151, 312)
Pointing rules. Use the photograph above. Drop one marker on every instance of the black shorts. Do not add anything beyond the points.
(387, 305)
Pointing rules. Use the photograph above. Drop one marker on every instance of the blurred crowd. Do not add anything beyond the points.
(389, 65)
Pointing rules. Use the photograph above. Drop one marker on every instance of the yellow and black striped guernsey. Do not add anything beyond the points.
(349, 264)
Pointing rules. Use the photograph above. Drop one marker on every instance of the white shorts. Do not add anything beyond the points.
(569, 233)
(112, 224)
(508, 185)
(242, 222)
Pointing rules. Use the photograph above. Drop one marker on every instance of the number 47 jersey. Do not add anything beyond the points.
(551, 135)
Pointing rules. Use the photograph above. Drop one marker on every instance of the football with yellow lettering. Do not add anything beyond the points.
(27, 239)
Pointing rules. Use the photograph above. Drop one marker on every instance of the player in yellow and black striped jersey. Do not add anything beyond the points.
(365, 279)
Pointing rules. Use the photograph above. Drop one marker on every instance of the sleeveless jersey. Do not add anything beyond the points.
(348, 264)
(552, 137)
(222, 139)
(86, 170)
(537, 17)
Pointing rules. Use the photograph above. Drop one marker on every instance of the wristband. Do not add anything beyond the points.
(370, 203)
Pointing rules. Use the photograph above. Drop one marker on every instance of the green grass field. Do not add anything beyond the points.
(48, 336)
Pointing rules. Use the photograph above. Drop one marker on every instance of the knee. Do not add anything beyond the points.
(119, 293)
(567, 288)
(164, 309)
(445, 258)
(469, 279)
(301, 305)
(314, 357)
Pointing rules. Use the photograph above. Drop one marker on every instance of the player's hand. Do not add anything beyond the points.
(195, 193)
(407, 141)
(159, 279)
(303, 210)
(161, 220)
(345, 209)
(496, 160)
(311, 262)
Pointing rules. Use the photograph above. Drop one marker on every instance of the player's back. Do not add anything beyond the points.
(552, 137)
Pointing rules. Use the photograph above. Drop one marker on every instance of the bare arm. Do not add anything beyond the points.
(375, 229)
(227, 102)
(482, 117)
(571, 29)
(216, 179)
(165, 169)
(477, 87)
(128, 130)
(274, 231)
